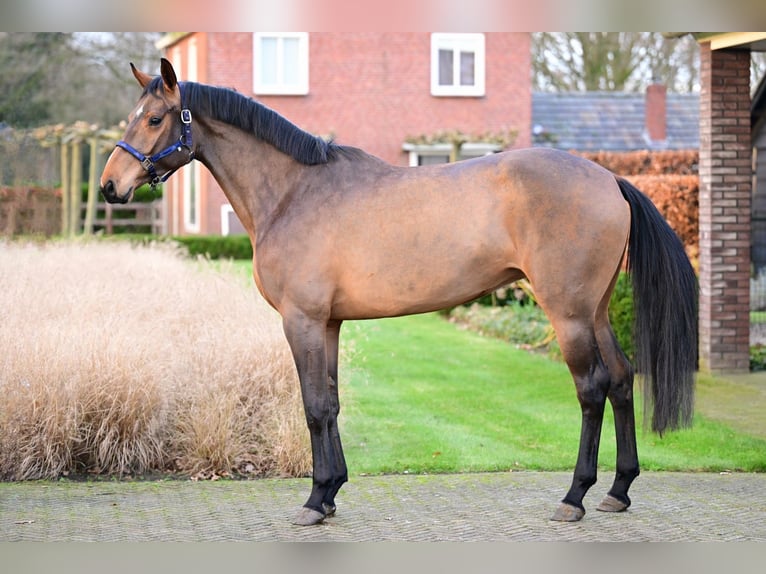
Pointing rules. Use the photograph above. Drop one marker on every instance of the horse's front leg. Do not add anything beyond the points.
(340, 472)
(308, 341)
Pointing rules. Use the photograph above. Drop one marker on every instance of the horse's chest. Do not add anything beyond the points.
(257, 277)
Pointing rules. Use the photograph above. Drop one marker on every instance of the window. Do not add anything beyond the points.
(457, 64)
(281, 63)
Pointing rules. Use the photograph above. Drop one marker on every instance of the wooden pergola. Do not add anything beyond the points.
(70, 140)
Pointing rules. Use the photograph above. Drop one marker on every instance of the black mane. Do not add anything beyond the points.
(227, 105)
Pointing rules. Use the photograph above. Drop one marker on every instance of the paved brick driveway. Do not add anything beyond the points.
(468, 507)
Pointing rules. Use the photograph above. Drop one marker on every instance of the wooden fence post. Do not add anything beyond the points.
(90, 210)
(64, 147)
(75, 188)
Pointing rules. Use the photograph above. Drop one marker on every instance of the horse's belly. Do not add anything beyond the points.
(416, 290)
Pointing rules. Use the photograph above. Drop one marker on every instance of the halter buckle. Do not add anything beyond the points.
(186, 116)
(147, 163)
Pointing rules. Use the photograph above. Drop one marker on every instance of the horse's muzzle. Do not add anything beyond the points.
(110, 194)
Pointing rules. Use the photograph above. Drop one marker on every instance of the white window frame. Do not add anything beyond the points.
(459, 42)
(226, 211)
(191, 71)
(191, 173)
(468, 150)
(280, 88)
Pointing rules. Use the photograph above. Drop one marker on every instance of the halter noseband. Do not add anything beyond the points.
(184, 141)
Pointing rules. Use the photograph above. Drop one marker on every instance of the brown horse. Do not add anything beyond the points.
(339, 234)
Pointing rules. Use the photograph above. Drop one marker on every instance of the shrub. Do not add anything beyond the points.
(758, 358)
(645, 162)
(517, 293)
(145, 194)
(669, 179)
(677, 199)
(142, 194)
(621, 314)
(217, 246)
(528, 327)
(523, 325)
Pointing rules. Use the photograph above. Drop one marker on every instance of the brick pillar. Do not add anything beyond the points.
(725, 171)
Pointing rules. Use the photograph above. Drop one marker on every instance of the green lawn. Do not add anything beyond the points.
(422, 395)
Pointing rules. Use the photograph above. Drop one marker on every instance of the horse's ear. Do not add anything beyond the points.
(168, 75)
(142, 78)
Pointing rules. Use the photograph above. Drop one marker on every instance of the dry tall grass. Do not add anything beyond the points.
(118, 360)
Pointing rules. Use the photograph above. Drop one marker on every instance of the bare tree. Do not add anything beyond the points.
(29, 75)
(48, 78)
(109, 88)
(613, 61)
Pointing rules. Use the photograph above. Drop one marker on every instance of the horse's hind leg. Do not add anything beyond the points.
(578, 345)
(621, 397)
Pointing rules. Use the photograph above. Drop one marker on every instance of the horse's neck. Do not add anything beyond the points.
(255, 177)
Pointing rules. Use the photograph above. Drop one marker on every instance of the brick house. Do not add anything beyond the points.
(376, 91)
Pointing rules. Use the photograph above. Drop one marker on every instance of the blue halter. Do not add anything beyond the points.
(184, 141)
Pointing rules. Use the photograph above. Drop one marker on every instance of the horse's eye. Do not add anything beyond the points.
(155, 121)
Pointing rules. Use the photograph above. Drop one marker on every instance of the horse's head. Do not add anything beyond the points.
(157, 141)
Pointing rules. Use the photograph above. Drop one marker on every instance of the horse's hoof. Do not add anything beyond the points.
(308, 517)
(568, 513)
(329, 509)
(611, 504)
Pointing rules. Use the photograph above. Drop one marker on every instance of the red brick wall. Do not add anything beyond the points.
(725, 186)
(230, 61)
(372, 90)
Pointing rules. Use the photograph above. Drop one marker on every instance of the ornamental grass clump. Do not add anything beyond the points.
(122, 360)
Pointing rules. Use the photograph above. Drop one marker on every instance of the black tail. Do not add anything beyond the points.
(665, 299)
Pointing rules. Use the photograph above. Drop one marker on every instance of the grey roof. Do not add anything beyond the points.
(610, 121)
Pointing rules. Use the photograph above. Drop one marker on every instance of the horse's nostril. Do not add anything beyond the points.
(108, 190)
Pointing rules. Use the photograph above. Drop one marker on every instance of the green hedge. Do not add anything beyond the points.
(621, 314)
(143, 194)
(217, 246)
